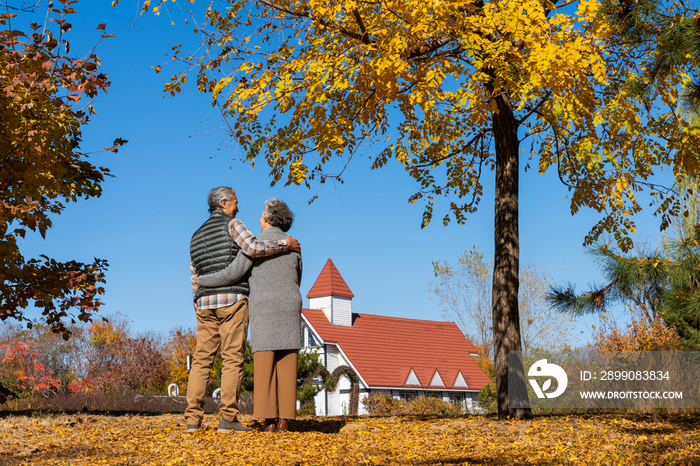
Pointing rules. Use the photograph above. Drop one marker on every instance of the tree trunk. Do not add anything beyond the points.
(506, 318)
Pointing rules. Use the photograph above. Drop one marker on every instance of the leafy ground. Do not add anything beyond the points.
(89, 439)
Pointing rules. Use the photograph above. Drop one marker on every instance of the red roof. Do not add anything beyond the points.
(384, 350)
(330, 283)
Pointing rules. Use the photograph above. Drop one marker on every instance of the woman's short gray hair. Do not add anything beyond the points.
(278, 214)
(217, 195)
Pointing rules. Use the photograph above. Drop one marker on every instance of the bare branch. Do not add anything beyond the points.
(23, 9)
(536, 108)
(556, 141)
(430, 47)
(364, 38)
(476, 137)
(358, 18)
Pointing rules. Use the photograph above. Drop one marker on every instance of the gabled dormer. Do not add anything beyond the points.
(331, 294)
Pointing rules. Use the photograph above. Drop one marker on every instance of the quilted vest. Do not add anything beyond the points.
(211, 250)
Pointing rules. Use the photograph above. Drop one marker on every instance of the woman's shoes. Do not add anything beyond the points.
(282, 425)
(270, 426)
(274, 425)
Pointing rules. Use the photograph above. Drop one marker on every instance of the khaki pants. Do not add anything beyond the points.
(225, 328)
(275, 391)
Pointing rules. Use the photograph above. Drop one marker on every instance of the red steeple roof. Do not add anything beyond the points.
(385, 350)
(330, 283)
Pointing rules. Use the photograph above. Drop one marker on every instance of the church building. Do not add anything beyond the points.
(403, 358)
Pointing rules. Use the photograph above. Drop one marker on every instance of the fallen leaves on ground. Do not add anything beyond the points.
(89, 439)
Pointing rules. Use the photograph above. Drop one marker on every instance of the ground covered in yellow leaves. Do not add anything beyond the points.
(90, 439)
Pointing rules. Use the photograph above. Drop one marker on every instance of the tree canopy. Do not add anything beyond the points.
(418, 80)
(42, 88)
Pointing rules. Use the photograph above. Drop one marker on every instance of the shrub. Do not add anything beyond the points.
(381, 405)
(307, 409)
(431, 406)
(487, 398)
(308, 370)
(641, 335)
(385, 405)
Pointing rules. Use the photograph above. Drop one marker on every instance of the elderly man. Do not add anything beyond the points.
(222, 312)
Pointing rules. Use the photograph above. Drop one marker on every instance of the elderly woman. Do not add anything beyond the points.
(275, 319)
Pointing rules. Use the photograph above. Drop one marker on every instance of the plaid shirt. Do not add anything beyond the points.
(251, 247)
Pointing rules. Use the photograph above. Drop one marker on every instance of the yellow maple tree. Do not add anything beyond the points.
(450, 90)
(181, 343)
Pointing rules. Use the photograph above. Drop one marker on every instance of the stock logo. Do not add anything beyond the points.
(542, 368)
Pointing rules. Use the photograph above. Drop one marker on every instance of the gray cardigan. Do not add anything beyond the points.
(275, 300)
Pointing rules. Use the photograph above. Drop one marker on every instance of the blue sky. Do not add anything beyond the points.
(177, 151)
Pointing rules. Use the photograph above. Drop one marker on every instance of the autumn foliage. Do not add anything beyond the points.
(640, 335)
(181, 343)
(105, 365)
(101, 360)
(23, 373)
(118, 362)
(44, 87)
(483, 359)
(88, 439)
